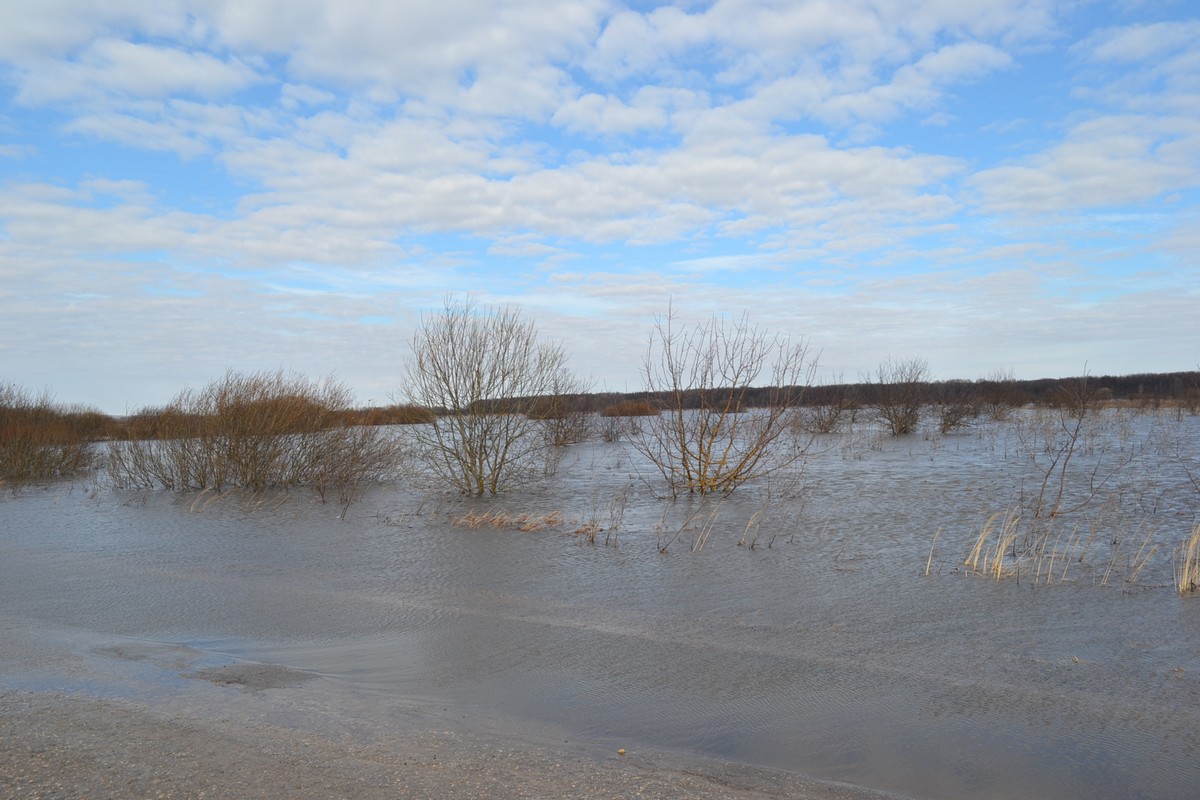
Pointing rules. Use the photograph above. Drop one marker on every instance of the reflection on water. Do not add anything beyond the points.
(822, 649)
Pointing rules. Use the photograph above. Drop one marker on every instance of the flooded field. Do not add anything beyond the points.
(821, 623)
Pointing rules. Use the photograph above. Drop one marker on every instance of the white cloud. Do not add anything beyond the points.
(1108, 161)
(17, 151)
(437, 51)
(296, 95)
(1135, 43)
(599, 114)
(126, 69)
(368, 157)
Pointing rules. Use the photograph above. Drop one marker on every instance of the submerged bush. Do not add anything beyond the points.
(399, 414)
(631, 408)
(41, 440)
(488, 370)
(708, 374)
(257, 431)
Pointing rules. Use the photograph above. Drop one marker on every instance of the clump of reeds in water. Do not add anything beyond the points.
(995, 542)
(526, 522)
(1041, 552)
(1187, 563)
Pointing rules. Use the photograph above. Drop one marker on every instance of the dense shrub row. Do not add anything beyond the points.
(39, 439)
(256, 431)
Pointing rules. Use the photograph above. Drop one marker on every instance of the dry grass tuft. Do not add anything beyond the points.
(589, 531)
(1187, 563)
(525, 522)
(995, 541)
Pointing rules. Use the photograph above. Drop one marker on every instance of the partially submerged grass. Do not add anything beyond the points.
(1044, 552)
(1187, 563)
(606, 516)
(992, 554)
(525, 522)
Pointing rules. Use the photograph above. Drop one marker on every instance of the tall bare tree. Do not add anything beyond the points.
(484, 371)
(709, 438)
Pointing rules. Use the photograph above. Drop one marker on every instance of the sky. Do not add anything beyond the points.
(193, 186)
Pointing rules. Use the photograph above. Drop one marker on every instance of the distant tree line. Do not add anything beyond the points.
(1174, 388)
(492, 404)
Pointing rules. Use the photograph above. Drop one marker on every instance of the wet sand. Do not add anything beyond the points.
(81, 718)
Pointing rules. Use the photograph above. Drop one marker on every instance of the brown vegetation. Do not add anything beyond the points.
(257, 431)
(631, 408)
(398, 414)
(898, 393)
(40, 440)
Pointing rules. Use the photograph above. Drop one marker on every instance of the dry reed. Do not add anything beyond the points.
(525, 522)
(995, 541)
(1187, 563)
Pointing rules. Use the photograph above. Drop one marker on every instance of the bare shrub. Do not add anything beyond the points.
(955, 405)
(1077, 397)
(1054, 440)
(999, 394)
(897, 397)
(487, 370)
(614, 429)
(256, 431)
(619, 420)
(833, 405)
(708, 438)
(565, 413)
(40, 440)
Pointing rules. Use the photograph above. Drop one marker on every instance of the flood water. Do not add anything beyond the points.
(804, 634)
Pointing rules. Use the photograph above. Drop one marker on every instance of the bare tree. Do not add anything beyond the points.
(896, 396)
(708, 438)
(484, 371)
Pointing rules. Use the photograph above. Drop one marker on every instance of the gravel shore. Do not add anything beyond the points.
(90, 715)
(54, 745)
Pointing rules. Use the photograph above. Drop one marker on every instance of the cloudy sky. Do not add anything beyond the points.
(189, 186)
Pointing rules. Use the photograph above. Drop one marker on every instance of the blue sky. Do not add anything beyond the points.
(188, 187)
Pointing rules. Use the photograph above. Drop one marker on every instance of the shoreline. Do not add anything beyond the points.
(88, 715)
(67, 745)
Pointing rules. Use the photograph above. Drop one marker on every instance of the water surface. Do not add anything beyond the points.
(817, 644)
